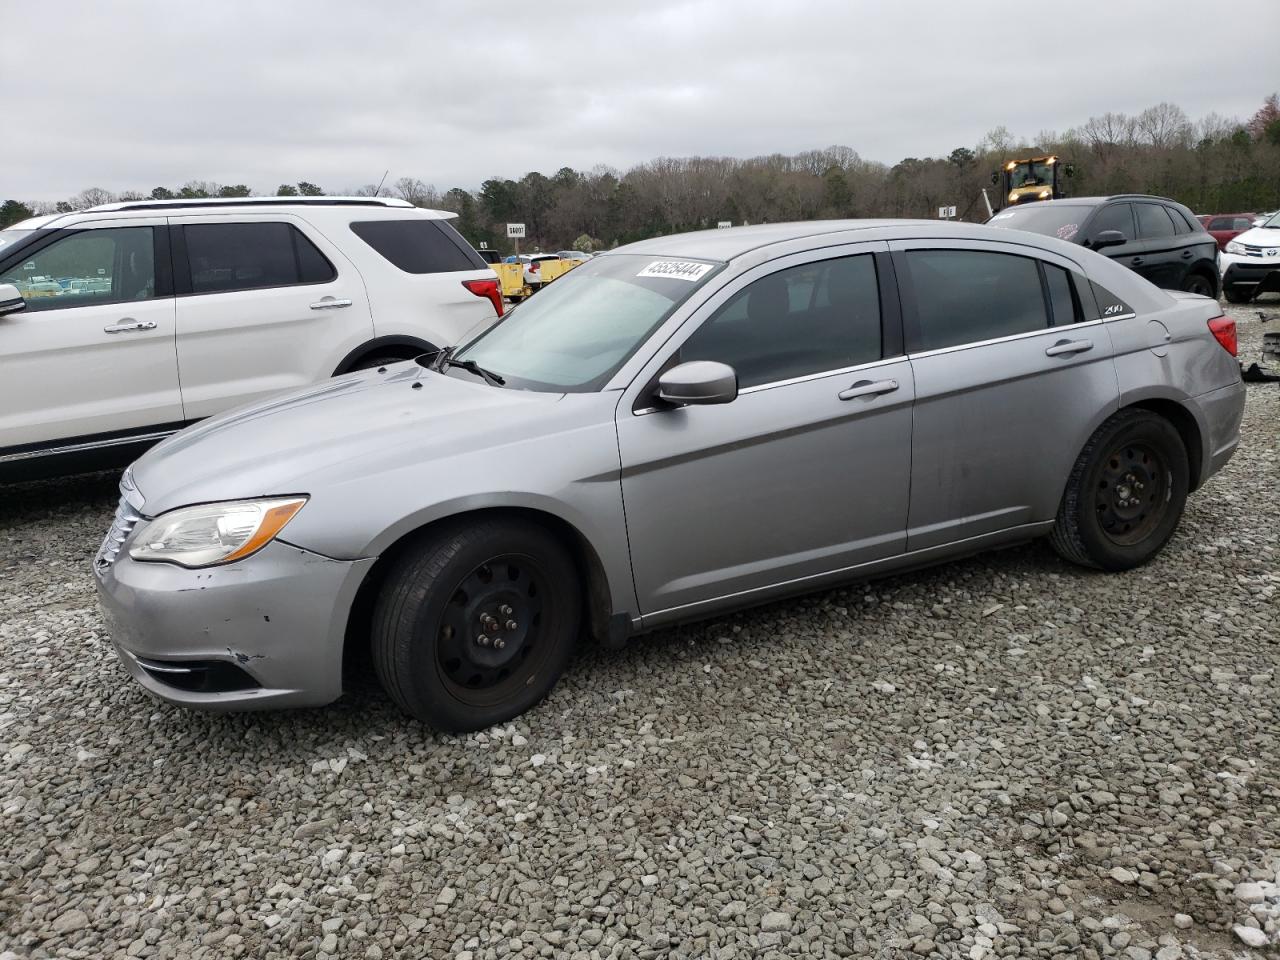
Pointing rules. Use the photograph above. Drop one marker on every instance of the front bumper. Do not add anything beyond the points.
(264, 632)
(1243, 274)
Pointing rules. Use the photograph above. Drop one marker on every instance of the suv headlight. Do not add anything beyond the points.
(1233, 247)
(213, 533)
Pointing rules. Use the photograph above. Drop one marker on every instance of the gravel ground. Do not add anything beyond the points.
(1005, 756)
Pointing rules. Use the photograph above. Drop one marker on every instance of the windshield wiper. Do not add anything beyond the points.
(470, 366)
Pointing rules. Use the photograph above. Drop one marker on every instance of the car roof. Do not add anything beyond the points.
(731, 242)
(314, 205)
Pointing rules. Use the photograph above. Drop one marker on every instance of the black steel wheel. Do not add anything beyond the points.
(476, 621)
(1125, 494)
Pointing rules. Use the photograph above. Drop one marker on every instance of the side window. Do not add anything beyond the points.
(1221, 223)
(114, 265)
(1180, 224)
(1153, 221)
(965, 296)
(1114, 216)
(419, 245)
(1241, 224)
(249, 256)
(1062, 297)
(798, 321)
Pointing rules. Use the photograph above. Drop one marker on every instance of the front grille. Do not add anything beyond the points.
(1260, 252)
(126, 518)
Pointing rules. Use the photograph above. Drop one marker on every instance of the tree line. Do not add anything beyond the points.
(1213, 165)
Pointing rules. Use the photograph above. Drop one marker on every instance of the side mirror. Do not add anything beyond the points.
(995, 178)
(697, 382)
(10, 299)
(1108, 238)
(1068, 170)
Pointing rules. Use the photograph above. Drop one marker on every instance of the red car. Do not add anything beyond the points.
(1224, 226)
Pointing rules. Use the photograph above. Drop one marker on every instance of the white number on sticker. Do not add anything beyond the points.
(676, 270)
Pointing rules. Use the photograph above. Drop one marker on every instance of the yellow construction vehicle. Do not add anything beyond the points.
(1035, 178)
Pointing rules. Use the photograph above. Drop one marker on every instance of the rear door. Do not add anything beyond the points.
(1011, 375)
(265, 304)
(1160, 259)
(93, 353)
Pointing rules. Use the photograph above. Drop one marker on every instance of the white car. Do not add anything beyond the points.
(532, 263)
(177, 310)
(1250, 264)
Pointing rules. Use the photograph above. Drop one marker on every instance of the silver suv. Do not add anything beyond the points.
(677, 428)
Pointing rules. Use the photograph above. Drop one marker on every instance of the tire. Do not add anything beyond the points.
(1237, 296)
(433, 653)
(1125, 494)
(1199, 283)
(375, 361)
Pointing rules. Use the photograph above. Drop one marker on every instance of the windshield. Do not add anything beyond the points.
(1273, 223)
(581, 329)
(1032, 173)
(9, 237)
(1050, 219)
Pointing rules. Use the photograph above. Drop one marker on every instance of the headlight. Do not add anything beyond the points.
(213, 533)
(1233, 247)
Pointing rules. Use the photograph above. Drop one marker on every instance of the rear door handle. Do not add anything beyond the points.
(127, 324)
(328, 303)
(1066, 347)
(868, 388)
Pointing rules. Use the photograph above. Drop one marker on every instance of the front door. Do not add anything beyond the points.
(806, 472)
(1012, 374)
(93, 352)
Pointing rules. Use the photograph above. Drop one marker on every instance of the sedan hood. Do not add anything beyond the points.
(336, 431)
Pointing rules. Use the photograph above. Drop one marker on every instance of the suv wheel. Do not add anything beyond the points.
(1198, 283)
(1125, 494)
(475, 625)
(1237, 296)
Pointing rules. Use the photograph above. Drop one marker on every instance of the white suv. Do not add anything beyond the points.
(123, 323)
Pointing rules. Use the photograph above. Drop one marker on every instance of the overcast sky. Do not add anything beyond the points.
(130, 94)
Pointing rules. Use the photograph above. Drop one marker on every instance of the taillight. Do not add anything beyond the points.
(1224, 331)
(487, 288)
(533, 267)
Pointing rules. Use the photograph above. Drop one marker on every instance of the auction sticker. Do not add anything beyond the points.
(676, 270)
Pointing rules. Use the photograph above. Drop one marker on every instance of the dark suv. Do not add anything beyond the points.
(1155, 237)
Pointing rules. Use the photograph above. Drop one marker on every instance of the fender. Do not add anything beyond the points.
(378, 343)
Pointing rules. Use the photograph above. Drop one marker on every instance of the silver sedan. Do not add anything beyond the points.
(680, 427)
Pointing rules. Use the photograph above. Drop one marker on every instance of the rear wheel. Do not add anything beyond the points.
(1198, 283)
(475, 625)
(1125, 495)
(1237, 296)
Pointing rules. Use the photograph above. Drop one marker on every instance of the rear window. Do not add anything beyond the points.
(419, 245)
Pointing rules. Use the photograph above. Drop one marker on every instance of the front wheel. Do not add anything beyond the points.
(476, 623)
(1237, 296)
(1125, 495)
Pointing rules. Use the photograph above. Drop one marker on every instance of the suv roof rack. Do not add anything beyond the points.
(251, 202)
(1141, 196)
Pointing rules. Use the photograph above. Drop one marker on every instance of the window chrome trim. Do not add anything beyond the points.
(823, 374)
(1014, 336)
(82, 447)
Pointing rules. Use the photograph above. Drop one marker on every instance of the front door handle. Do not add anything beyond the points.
(127, 324)
(868, 388)
(1066, 347)
(1136, 261)
(1187, 254)
(328, 303)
